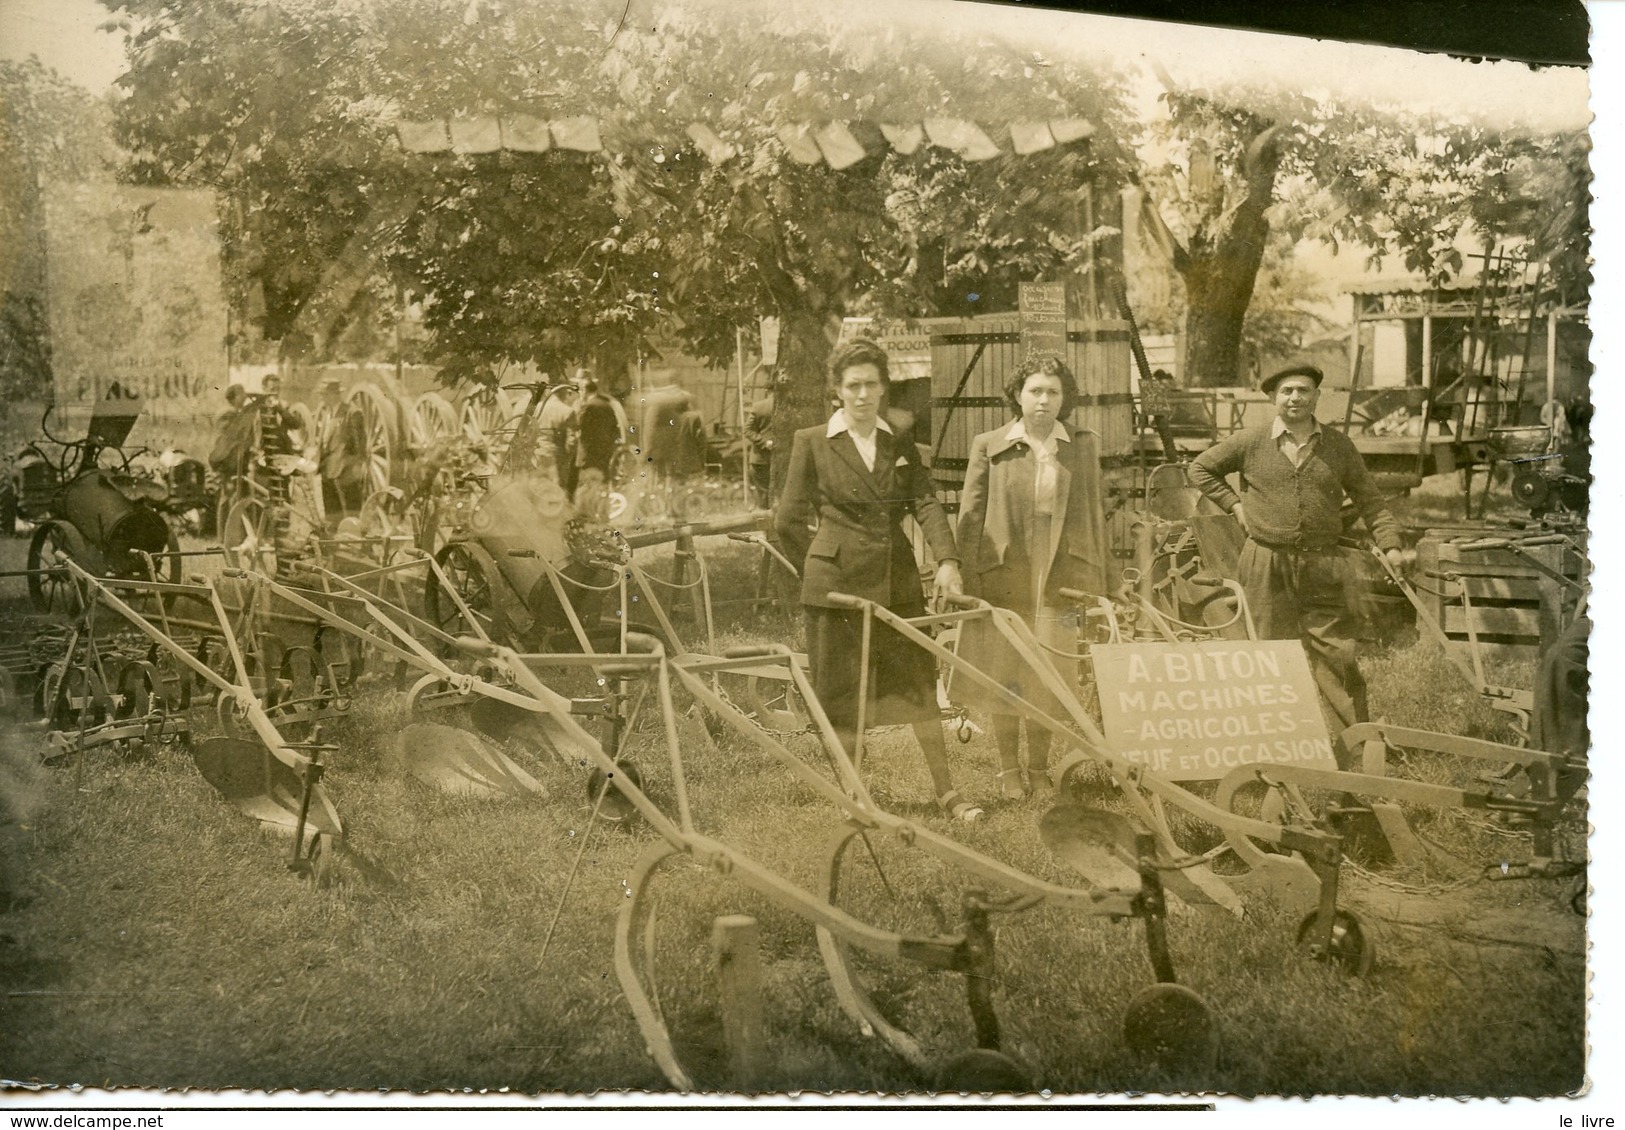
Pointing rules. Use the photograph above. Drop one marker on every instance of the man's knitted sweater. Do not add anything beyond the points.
(1294, 507)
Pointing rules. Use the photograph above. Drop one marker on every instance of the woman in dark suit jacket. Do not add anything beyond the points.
(1031, 523)
(858, 481)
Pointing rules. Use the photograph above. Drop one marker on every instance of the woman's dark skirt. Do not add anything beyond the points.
(902, 675)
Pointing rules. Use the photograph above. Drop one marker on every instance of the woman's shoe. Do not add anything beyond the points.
(958, 808)
(1012, 784)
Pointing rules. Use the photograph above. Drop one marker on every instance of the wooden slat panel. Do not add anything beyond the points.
(1494, 621)
(1501, 588)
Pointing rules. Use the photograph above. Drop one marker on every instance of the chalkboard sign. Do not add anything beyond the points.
(1043, 318)
(1195, 711)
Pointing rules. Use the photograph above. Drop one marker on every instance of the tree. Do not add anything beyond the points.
(554, 256)
(50, 131)
(1234, 165)
(748, 229)
(289, 111)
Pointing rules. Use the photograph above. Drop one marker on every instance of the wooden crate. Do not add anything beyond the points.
(1513, 607)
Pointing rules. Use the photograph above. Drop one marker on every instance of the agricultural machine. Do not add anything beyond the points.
(91, 507)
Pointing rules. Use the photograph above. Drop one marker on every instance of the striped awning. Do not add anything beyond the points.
(836, 144)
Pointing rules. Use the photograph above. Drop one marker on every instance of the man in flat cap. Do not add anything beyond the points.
(1294, 477)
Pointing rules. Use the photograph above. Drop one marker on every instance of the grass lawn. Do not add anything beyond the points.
(165, 944)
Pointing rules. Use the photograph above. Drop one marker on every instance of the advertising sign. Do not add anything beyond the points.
(1043, 318)
(1195, 711)
(135, 298)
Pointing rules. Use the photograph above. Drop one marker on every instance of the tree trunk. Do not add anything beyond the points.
(1219, 270)
(799, 388)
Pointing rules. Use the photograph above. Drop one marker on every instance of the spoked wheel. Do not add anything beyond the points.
(487, 418)
(378, 433)
(54, 543)
(246, 536)
(1352, 947)
(433, 420)
(473, 575)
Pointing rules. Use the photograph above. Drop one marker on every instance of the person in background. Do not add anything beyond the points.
(557, 422)
(1157, 406)
(598, 429)
(759, 450)
(279, 427)
(1031, 523)
(234, 443)
(849, 486)
(340, 447)
(1295, 475)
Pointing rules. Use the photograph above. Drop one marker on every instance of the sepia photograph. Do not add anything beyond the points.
(721, 548)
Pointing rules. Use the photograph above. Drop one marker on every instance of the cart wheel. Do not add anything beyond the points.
(983, 1071)
(1352, 946)
(433, 420)
(379, 435)
(53, 543)
(487, 418)
(1173, 1027)
(615, 807)
(473, 574)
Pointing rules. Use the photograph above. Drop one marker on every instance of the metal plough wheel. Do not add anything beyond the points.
(879, 882)
(380, 434)
(140, 687)
(662, 956)
(1172, 1027)
(1353, 948)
